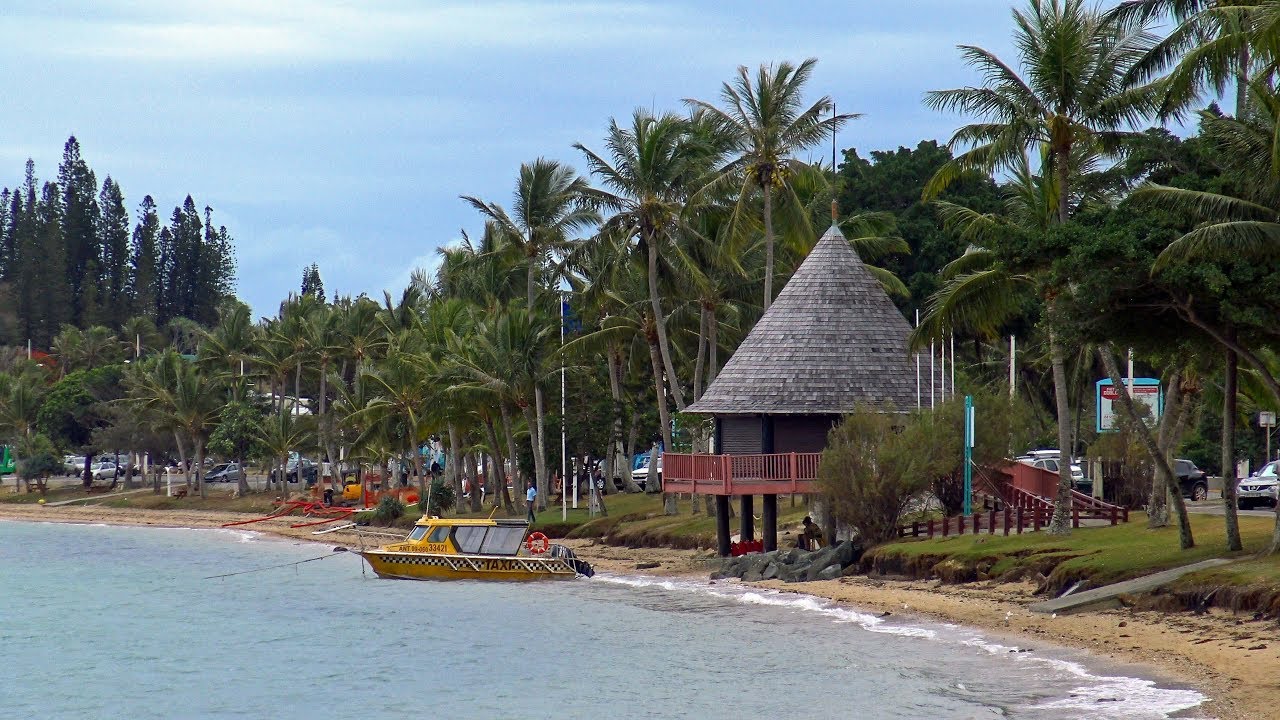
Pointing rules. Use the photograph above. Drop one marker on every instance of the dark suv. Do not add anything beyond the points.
(1193, 481)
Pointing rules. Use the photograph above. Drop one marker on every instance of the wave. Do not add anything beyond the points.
(1096, 695)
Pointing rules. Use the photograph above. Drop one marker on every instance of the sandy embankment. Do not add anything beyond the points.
(1233, 659)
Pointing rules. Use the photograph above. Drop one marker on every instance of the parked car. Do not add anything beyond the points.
(1049, 459)
(1193, 481)
(104, 469)
(1261, 488)
(640, 470)
(73, 464)
(309, 471)
(225, 472)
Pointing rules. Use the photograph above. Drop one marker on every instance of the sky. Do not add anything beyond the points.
(342, 133)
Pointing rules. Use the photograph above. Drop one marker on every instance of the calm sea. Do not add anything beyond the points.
(111, 622)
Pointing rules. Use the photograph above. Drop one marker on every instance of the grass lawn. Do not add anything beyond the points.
(1096, 556)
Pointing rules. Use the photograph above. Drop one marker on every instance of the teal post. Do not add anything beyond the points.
(968, 454)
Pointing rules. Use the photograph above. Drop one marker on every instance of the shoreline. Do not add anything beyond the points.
(1233, 660)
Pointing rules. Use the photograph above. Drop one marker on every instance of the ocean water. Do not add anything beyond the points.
(111, 622)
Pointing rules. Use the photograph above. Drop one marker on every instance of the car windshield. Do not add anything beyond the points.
(219, 468)
(1269, 469)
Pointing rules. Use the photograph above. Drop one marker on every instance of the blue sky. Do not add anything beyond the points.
(342, 133)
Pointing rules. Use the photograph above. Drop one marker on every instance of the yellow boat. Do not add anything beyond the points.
(471, 549)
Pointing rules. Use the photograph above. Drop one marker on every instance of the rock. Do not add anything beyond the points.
(831, 572)
(787, 557)
(824, 557)
(849, 552)
(770, 571)
(647, 565)
(752, 575)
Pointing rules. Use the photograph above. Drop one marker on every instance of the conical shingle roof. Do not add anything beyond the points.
(830, 341)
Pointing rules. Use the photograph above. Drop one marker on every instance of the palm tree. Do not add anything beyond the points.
(183, 399)
(766, 124)
(20, 400)
(1208, 47)
(1081, 93)
(551, 203)
(284, 433)
(653, 168)
(401, 404)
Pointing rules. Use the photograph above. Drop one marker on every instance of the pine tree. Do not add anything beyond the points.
(166, 302)
(6, 233)
(93, 296)
(50, 306)
(143, 267)
(312, 285)
(26, 257)
(80, 217)
(113, 269)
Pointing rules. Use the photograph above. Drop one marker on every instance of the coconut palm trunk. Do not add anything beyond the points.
(182, 458)
(540, 449)
(767, 182)
(496, 479)
(1229, 507)
(660, 325)
(1060, 524)
(199, 445)
(616, 446)
(454, 461)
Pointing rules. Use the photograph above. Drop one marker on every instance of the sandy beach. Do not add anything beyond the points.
(1235, 660)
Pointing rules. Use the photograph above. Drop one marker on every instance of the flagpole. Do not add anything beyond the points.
(564, 437)
(918, 395)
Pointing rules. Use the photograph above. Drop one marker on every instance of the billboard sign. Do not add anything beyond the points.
(1146, 392)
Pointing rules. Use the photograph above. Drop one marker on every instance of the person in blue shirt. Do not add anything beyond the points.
(530, 495)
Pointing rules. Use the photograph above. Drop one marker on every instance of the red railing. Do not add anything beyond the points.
(740, 474)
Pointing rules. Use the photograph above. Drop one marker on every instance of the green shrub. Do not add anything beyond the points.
(442, 498)
(389, 508)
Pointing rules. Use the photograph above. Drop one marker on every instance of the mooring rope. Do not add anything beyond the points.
(276, 567)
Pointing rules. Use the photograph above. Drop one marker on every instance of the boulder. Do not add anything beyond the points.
(795, 572)
(824, 557)
(849, 552)
(752, 575)
(787, 557)
(770, 571)
(831, 572)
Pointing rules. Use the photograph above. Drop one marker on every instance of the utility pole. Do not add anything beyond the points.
(968, 455)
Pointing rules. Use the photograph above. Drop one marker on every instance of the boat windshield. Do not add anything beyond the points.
(494, 540)
(417, 533)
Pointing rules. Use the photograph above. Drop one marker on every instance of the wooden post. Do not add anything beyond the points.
(1017, 517)
(748, 521)
(1113, 514)
(992, 518)
(770, 520)
(795, 471)
(915, 529)
(1035, 519)
(1075, 516)
(946, 525)
(722, 525)
(960, 521)
(930, 529)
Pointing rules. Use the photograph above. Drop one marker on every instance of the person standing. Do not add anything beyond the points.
(530, 495)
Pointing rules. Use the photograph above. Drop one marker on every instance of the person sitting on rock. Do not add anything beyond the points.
(810, 535)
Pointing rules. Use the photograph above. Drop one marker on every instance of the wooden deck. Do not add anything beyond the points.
(774, 474)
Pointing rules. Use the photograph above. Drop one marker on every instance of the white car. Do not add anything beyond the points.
(103, 470)
(1261, 488)
(640, 474)
(1045, 461)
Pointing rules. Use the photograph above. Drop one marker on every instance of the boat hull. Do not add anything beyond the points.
(433, 566)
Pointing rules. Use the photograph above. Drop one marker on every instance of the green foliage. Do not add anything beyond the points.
(74, 406)
(876, 463)
(442, 498)
(388, 510)
(239, 432)
(37, 459)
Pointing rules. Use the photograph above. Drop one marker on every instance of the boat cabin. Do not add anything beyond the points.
(457, 536)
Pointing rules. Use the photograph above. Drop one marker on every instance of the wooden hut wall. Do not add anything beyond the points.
(739, 435)
(801, 433)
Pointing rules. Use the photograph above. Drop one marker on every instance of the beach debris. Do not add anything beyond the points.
(647, 565)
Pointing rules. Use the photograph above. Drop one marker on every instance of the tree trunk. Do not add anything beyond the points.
(454, 462)
(242, 486)
(768, 245)
(87, 477)
(284, 481)
(494, 477)
(470, 472)
(1242, 81)
(660, 325)
(713, 347)
(199, 445)
(615, 437)
(1229, 391)
(701, 355)
(1061, 522)
(517, 476)
(540, 450)
(423, 490)
(297, 389)
(1107, 355)
(652, 484)
(182, 458)
(539, 473)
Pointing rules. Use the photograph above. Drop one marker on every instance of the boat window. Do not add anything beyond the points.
(417, 533)
(468, 539)
(502, 541)
(439, 534)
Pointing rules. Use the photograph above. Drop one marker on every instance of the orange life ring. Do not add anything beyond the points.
(537, 543)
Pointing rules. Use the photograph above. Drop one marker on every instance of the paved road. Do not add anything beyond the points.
(1214, 507)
